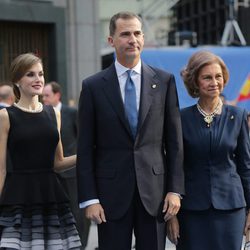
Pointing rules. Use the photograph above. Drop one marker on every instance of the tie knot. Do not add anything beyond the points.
(129, 72)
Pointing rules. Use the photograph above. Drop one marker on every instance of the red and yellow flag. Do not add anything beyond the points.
(245, 90)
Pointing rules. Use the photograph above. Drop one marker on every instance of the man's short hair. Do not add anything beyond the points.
(123, 15)
(6, 91)
(56, 88)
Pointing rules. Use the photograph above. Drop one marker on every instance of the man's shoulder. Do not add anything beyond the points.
(157, 71)
(160, 75)
(68, 109)
(99, 75)
(2, 105)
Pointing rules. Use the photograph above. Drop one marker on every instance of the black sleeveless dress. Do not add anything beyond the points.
(34, 210)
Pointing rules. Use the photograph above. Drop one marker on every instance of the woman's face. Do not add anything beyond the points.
(32, 82)
(210, 81)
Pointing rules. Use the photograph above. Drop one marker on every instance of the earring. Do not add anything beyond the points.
(18, 85)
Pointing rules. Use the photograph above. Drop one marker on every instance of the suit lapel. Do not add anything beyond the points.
(112, 91)
(62, 113)
(149, 86)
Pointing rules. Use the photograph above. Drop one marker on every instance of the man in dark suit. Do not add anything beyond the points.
(7, 97)
(52, 96)
(130, 152)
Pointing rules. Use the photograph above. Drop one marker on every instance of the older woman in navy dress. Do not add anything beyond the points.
(214, 213)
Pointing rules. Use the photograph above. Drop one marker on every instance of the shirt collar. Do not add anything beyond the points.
(3, 104)
(120, 69)
(58, 106)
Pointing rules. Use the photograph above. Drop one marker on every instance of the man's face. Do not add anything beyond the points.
(49, 97)
(128, 41)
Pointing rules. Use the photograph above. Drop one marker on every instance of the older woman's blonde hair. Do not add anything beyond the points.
(19, 66)
(196, 62)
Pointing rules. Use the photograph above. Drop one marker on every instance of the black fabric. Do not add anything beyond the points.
(31, 144)
(34, 209)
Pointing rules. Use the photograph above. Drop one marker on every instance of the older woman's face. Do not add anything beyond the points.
(210, 81)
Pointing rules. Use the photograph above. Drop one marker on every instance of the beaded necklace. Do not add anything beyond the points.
(38, 109)
(208, 118)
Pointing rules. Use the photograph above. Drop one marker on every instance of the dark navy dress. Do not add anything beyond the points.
(34, 210)
(217, 180)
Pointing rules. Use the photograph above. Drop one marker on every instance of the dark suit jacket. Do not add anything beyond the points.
(1, 106)
(216, 160)
(69, 135)
(110, 163)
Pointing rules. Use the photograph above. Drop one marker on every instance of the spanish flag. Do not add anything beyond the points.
(245, 90)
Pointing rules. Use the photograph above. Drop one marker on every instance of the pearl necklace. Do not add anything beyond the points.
(38, 109)
(208, 118)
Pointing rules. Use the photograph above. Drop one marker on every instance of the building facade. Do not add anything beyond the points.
(209, 18)
(62, 32)
(71, 35)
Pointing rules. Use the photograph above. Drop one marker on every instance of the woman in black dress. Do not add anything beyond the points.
(34, 210)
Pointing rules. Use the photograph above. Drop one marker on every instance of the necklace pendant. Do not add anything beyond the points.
(208, 119)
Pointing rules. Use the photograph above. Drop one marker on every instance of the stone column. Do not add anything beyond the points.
(83, 48)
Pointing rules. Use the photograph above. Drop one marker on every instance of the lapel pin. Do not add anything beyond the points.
(153, 86)
(231, 117)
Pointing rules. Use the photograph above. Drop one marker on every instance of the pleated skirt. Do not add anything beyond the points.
(38, 227)
(211, 229)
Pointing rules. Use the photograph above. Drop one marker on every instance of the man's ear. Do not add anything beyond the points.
(58, 95)
(111, 41)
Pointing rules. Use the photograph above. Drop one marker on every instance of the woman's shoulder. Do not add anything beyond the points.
(236, 112)
(3, 114)
(4, 118)
(52, 113)
(235, 109)
(188, 109)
